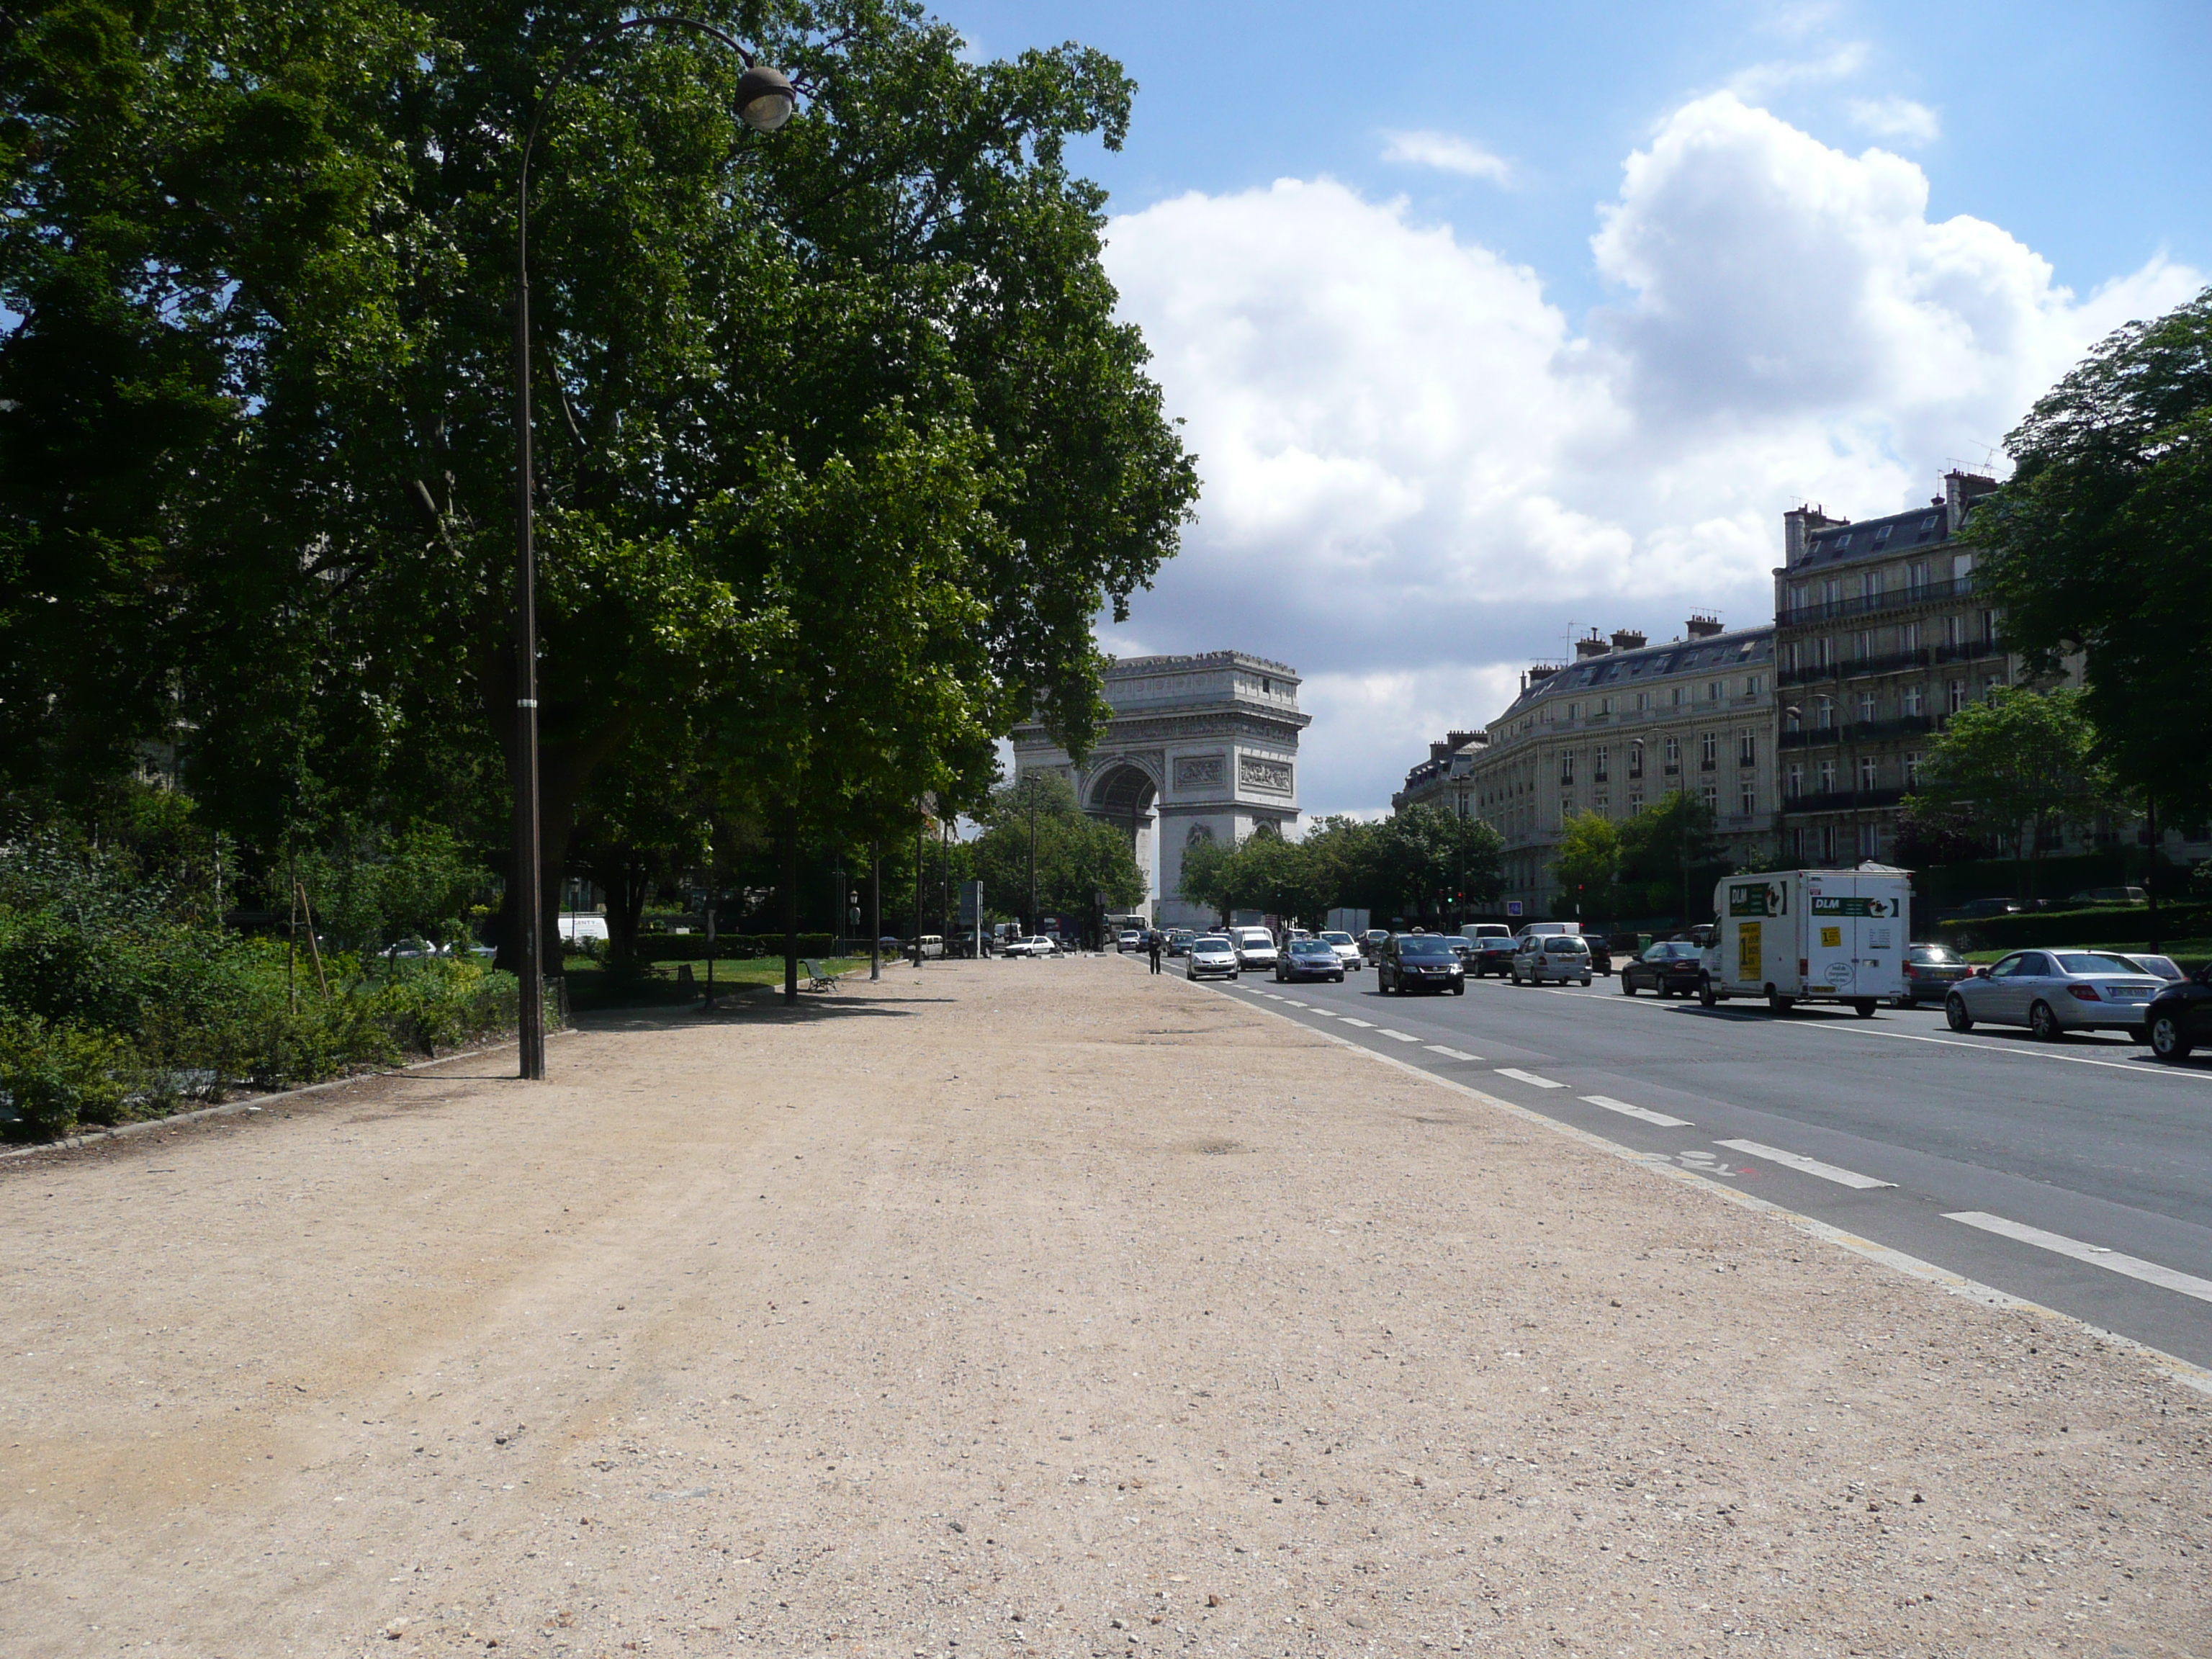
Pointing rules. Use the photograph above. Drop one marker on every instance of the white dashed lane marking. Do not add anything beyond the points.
(1368, 1024)
(1811, 1166)
(1520, 1076)
(2096, 1255)
(1402, 1036)
(1449, 1053)
(1628, 1110)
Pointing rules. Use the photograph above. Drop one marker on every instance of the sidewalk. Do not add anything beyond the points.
(1010, 1306)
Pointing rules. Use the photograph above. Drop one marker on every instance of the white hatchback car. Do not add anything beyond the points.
(1037, 945)
(1541, 956)
(1211, 957)
(1348, 951)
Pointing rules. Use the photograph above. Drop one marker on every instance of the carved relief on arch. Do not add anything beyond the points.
(1201, 834)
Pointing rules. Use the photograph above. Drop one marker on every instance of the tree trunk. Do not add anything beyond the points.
(626, 877)
(791, 908)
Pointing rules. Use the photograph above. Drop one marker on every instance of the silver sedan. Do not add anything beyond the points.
(2054, 991)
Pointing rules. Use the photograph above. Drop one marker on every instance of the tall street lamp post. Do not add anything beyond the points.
(765, 101)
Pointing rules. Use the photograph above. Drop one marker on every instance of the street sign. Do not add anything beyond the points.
(971, 903)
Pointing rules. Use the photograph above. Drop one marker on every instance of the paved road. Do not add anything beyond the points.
(2086, 1166)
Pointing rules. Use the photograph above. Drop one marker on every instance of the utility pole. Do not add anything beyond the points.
(875, 911)
(919, 826)
(1034, 928)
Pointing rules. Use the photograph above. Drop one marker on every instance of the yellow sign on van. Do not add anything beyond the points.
(1747, 949)
(1831, 938)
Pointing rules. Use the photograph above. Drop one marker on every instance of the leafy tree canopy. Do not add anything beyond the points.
(2102, 543)
(2018, 766)
(1078, 857)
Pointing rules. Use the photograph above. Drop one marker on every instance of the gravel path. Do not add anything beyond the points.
(1024, 1306)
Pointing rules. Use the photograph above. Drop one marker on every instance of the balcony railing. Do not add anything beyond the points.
(1905, 726)
(1841, 800)
(1894, 662)
(1866, 604)
(1968, 651)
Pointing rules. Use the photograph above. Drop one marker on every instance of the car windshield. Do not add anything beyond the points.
(1338, 939)
(1932, 953)
(1563, 945)
(1425, 945)
(1311, 947)
(1670, 951)
(1210, 944)
(2083, 963)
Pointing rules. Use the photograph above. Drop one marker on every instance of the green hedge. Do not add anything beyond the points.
(2089, 925)
(728, 947)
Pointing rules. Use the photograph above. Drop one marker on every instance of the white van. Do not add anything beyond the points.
(933, 945)
(1485, 930)
(1794, 936)
(1255, 947)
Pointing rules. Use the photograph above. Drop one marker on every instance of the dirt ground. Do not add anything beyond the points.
(1043, 1307)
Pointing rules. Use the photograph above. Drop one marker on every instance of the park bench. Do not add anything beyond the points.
(819, 978)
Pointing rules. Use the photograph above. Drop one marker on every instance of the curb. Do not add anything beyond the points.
(251, 1103)
(2171, 1366)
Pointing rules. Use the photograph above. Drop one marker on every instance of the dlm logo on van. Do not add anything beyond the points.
(1756, 898)
(1853, 907)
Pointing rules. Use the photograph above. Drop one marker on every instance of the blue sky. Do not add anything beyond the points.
(1490, 322)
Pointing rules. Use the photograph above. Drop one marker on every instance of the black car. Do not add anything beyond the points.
(1419, 962)
(1673, 967)
(1600, 953)
(1930, 971)
(1309, 959)
(2180, 1016)
(1491, 956)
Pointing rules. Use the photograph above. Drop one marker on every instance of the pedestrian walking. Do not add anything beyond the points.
(1153, 938)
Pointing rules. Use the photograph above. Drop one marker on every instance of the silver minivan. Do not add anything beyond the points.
(1541, 956)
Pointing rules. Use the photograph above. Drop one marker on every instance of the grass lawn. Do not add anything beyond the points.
(591, 987)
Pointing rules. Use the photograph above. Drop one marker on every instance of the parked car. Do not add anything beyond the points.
(1419, 962)
(1492, 956)
(1930, 971)
(1031, 945)
(1129, 939)
(1348, 951)
(2110, 896)
(1255, 947)
(1309, 959)
(1601, 954)
(1179, 940)
(1211, 957)
(2054, 991)
(1673, 967)
(1541, 957)
(2164, 968)
(2179, 1018)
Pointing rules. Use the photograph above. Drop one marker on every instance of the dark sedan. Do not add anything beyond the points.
(2179, 1018)
(1491, 956)
(1309, 959)
(1673, 967)
(1930, 971)
(1600, 953)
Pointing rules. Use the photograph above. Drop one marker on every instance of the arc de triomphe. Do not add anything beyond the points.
(1205, 746)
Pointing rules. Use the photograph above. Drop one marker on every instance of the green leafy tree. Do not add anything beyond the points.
(2022, 764)
(1670, 858)
(840, 444)
(1432, 863)
(2102, 543)
(1587, 865)
(1078, 857)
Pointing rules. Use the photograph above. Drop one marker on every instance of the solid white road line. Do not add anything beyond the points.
(1402, 1036)
(1528, 1077)
(2149, 1272)
(1811, 1166)
(1628, 1110)
(1449, 1053)
(1349, 1020)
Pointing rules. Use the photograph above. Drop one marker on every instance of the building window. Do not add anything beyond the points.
(1958, 696)
(1643, 701)
(1751, 685)
(1954, 631)
(1989, 626)
(1566, 766)
(1673, 753)
(1869, 841)
(1713, 692)
(1635, 802)
(1916, 579)
(1909, 699)
(1869, 772)
(1908, 636)
(1866, 706)
(1824, 653)
(1797, 846)
(1863, 645)
(1789, 657)
(1709, 749)
(1604, 705)
(1912, 770)
(1824, 714)
(1603, 807)
(1747, 748)
(1872, 580)
(1566, 807)
(1677, 698)
(1793, 783)
(1747, 799)
(1827, 777)
(1636, 758)
(1574, 711)
(1598, 765)
(1991, 684)
(1831, 591)
(1713, 799)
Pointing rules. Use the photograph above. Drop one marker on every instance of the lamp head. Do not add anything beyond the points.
(765, 99)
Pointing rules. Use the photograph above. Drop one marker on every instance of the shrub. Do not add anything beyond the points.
(54, 1078)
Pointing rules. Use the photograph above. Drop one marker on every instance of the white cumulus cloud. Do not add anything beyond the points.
(1447, 153)
(1899, 119)
(1418, 470)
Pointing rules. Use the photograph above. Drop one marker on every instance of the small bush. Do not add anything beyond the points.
(53, 1078)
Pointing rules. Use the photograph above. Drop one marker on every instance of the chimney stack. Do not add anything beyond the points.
(1455, 741)
(1704, 628)
(1960, 491)
(1797, 527)
(1628, 639)
(1595, 646)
